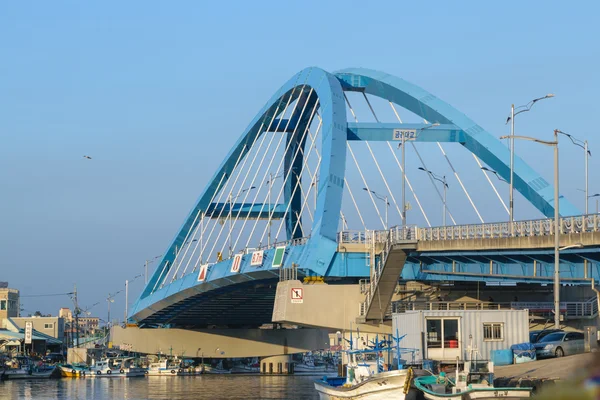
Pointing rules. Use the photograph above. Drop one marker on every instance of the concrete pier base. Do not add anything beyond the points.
(278, 365)
(221, 343)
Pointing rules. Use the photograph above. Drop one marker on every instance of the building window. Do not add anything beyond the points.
(442, 333)
(2, 304)
(493, 331)
(48, 326)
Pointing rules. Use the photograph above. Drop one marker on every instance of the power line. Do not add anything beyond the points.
(49, 295)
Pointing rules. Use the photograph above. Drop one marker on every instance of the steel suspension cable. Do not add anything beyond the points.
(287, 176)
(425, 167)
(263, 180)
(289, 100)
(490, 182)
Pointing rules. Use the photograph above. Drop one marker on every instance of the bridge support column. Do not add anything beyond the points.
(277, 365)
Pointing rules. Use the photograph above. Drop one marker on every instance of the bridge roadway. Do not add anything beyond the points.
(470, 252)
(261, 295)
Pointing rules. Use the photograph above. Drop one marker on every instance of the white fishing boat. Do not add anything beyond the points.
(363, 382)
(163, 368)
(251, 366)
(115, 368)
(309, 365)
(217, 369)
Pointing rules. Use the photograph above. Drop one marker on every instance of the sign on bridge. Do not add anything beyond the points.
(257, 258)
(297, 295)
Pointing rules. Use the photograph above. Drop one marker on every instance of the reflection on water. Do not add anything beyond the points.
(167, 387)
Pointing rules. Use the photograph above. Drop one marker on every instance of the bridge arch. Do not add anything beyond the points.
(475, 139)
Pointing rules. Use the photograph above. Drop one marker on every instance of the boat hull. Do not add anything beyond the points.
(502, 393)
(387, 385)
(71, 372)
(25, 375)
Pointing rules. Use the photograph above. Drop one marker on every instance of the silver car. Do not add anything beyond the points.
(560, 344)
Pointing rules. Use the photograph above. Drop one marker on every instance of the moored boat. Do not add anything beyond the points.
(73, 370)
(469, 384)
(163, 368)
(25, 368)
(115, 368)
(217, 369)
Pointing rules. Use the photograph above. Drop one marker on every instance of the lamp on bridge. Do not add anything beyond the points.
(441, 179)
(586, 153)
(495, 173)
(556, 218)
(511, 118)
(595, 195)
(383, 198)
(405, 135)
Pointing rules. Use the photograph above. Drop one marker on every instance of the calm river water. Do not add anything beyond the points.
(178, 387)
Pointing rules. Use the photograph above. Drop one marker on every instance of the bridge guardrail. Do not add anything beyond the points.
(574, 309)
(540, 227)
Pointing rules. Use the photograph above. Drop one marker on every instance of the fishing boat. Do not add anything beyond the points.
(309, 365)
(116, 368)
(25, 368)
(469, 384)
(368, 377)
(250, 367)
(217, 369)
(73, 370)
(163, 368)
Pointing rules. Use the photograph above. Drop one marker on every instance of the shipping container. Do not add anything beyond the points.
(446, 335)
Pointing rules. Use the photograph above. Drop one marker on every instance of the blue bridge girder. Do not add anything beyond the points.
(319, 254)
(247, 210)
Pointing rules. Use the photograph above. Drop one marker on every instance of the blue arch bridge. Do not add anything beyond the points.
(314, 218)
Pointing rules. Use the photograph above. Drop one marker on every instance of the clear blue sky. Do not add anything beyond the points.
(157, 92)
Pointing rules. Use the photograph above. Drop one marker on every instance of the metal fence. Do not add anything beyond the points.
(574, 309)
(541, 227)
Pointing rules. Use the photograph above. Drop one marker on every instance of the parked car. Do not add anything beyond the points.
(535, 336)
(559, 344)
(54, 358)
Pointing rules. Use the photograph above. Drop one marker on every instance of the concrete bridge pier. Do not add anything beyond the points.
(277, 365)
(221, 343)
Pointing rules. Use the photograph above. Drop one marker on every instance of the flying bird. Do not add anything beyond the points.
(88, 157)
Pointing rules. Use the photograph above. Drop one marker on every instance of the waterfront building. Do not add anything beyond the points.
(9, 303)
(444, 335)
(65, 313)
(50, 326)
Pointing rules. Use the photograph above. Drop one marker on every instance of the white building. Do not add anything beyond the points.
(446, 335)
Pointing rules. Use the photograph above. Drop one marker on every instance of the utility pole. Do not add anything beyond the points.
(126, 299)
(512, 167)
(403, 144)
(76, 317)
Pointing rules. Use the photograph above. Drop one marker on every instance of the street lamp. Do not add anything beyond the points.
(231, 198)
(556, 220)
(586, 153)
(387, 204)
(110, 299)
(511, 119)
(495, 173)
(595, 195)
(146, 267)
(441, 179)
(403, 138)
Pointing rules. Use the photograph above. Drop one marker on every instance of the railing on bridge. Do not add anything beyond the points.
(397, 234)
(541, 227)
(288, 274)
(574, 309)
